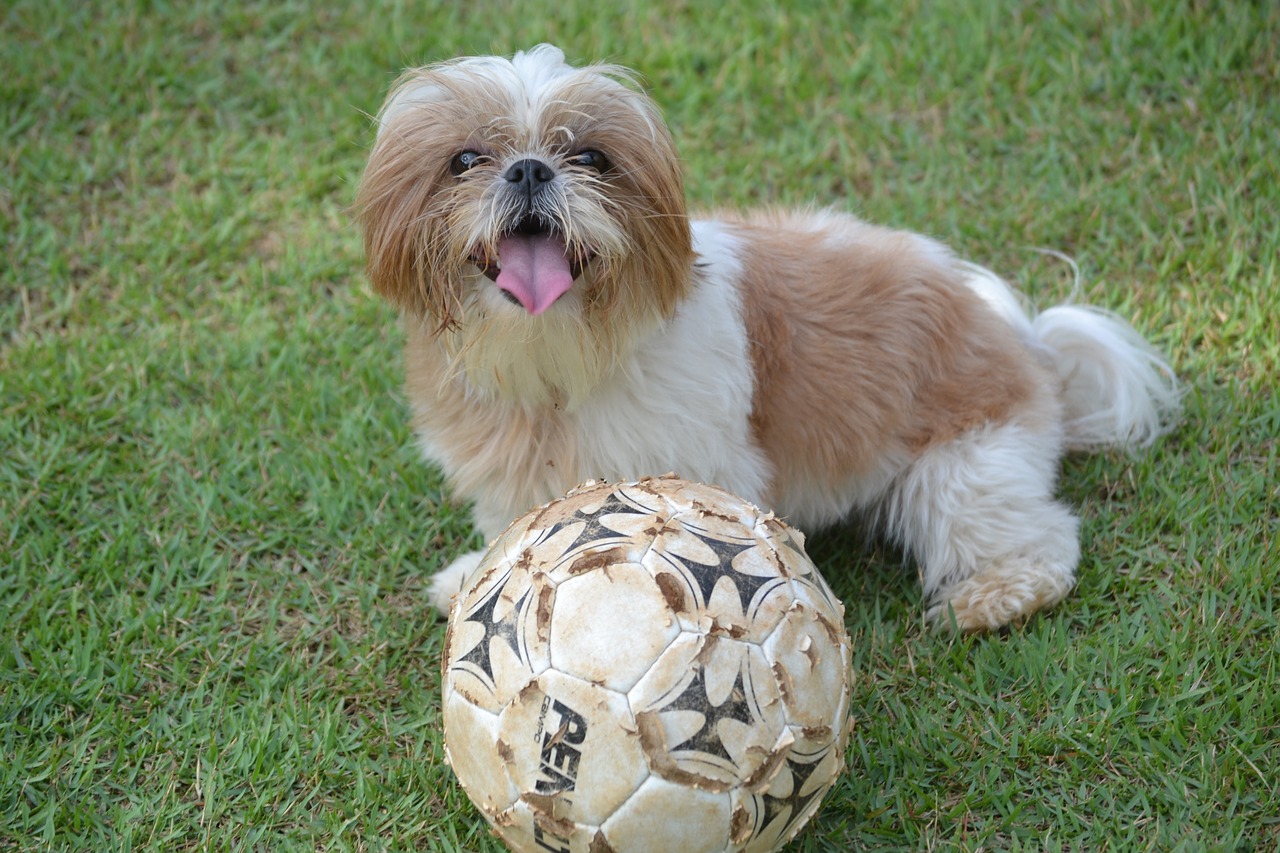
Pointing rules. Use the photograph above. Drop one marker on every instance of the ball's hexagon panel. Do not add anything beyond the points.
(666, 816)
(471, 744)
(810, 661)
(572, 749)
(609, 625)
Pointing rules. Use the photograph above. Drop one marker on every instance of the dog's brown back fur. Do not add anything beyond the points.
(900, 355)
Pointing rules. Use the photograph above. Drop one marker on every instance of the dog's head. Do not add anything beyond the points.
(522, 187)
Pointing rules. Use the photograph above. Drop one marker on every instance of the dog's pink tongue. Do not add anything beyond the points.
(534, 269)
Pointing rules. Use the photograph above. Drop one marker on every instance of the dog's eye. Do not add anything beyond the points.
(462, 161)
(590, 159)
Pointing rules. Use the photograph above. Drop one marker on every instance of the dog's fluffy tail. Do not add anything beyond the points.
(1117, 389)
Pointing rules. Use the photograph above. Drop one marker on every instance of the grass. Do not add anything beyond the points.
(215, 533)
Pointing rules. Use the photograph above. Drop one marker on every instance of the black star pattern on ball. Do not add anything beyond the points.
(594, 530)
(504, 628)
(694, 698)
(795, 801)
(707, 575)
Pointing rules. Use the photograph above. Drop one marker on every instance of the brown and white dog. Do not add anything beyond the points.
(567, 320)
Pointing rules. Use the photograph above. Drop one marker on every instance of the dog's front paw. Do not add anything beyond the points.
(446, 583)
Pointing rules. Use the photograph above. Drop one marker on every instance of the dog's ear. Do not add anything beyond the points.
(648, 200)
(401, 201)
(393, 205)
(663, 230)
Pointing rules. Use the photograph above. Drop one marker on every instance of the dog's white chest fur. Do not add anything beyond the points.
(681, 401)
(684, 399)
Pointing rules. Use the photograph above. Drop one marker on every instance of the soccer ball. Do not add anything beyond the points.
(646, 666)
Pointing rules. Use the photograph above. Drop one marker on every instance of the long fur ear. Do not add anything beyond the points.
(388, 206)
(393, 206)
(647, 198)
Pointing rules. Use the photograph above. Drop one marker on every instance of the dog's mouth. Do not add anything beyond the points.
(534, 266)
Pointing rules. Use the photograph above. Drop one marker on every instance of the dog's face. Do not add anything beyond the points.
(521, 187)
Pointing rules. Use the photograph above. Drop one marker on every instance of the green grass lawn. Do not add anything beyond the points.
(215, 534)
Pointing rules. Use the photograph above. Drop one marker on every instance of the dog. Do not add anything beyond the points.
(567, 320)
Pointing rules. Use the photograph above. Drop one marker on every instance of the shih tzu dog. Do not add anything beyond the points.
(567, 320)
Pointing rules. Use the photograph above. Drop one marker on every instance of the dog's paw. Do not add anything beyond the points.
(999, 596)
(446, 583)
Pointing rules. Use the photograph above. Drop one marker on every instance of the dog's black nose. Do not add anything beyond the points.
(530, 176)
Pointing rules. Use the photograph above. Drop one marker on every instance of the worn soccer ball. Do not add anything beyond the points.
(646, 666)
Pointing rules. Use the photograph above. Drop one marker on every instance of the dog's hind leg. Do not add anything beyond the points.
(978, 514)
